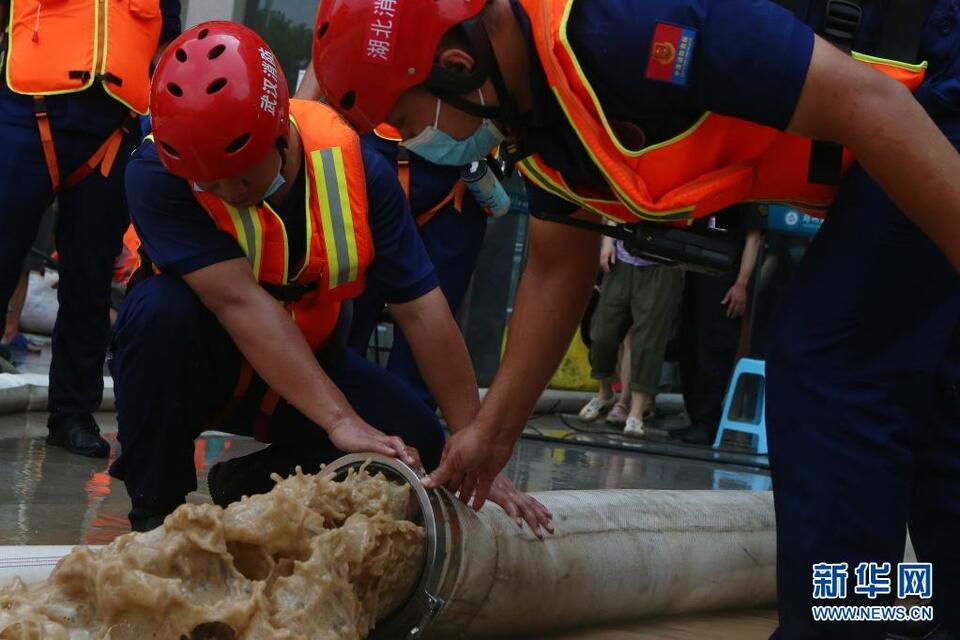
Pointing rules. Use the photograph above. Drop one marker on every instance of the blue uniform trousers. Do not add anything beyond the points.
(175, 369)
(89, 233)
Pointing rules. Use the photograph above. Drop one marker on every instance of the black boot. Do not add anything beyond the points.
(249, 475)
(699, 434)
(78, 434)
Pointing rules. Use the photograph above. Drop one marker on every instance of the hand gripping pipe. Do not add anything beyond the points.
(617, 555)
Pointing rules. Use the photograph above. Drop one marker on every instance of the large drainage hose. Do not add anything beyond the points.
(616, 555)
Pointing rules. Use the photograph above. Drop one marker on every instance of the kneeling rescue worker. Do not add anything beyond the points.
(264, 216)
(669, 110)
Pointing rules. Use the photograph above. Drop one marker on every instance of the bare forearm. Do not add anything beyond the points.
(273, 345)
(441, 356)
(553, 294)
(892, 137)
(751, 248)
(309, 89)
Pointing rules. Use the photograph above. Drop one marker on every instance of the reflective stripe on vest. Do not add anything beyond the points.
(68, 45)
(248, 230)
(338, 233)
(718, 162)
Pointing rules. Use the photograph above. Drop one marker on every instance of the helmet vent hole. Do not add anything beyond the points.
(170, 150)
(175, 89)
(348, 100)
(216, 85)
(203, 34)
(181, 55)
(238, 144)
(322, 30)
(216, 52)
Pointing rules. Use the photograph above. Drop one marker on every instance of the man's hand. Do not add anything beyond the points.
(470, 463)
(521, 507)
(608, 255)
(737, 299)
(353, 435)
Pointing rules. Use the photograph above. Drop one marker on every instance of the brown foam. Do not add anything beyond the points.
(312, 559)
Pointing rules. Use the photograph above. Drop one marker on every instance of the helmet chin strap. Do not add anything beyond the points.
(451, 86)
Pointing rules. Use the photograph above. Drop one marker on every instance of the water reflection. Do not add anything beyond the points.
(546, 466)
(48, 496)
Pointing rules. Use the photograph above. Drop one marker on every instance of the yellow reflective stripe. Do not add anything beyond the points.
(324, 203)
(348, 229)
(149, 137)
(248, 236)
(862, 57)
(335, 215)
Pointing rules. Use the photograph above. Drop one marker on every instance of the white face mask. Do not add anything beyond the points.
(439, 147)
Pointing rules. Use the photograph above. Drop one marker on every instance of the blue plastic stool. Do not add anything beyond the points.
(756, 424)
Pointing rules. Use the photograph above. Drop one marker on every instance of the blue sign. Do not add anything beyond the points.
(792, 222)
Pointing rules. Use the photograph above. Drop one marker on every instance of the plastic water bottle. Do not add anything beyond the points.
(486, 189)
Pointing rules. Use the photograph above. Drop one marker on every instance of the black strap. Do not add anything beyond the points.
(841, 23)
(903, 29)
(289, 293)
(826, 163)
(109, 78)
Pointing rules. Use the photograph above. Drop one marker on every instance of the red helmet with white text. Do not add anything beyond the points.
(219, 102)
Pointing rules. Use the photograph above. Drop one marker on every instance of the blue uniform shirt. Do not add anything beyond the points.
(91, 111)
(180, 237)
(750, 61)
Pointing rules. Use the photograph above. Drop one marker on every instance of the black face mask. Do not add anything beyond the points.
(451, 86)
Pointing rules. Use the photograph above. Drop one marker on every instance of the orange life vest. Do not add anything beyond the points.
(386, 132)
(718, 162)
(339, 244)
(65, 46)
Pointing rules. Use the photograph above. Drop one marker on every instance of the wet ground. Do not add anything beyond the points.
(48, 496)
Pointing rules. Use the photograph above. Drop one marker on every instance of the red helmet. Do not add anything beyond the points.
(367, 53)
(219, 102)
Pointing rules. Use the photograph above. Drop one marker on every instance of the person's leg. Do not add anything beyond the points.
(855, 349)
(15, 309)
(453, 243)
(618, 414)
(611, 321)
(935, 517)
(93, 218)
(717, 341)
(24, 195)
(654, 301)
(379, 397)
(687, 346)
(174, 367)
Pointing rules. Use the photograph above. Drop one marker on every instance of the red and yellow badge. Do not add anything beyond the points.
(671, 53)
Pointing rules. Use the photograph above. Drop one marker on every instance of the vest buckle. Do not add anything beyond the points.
(109, 78)
(841, 21)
